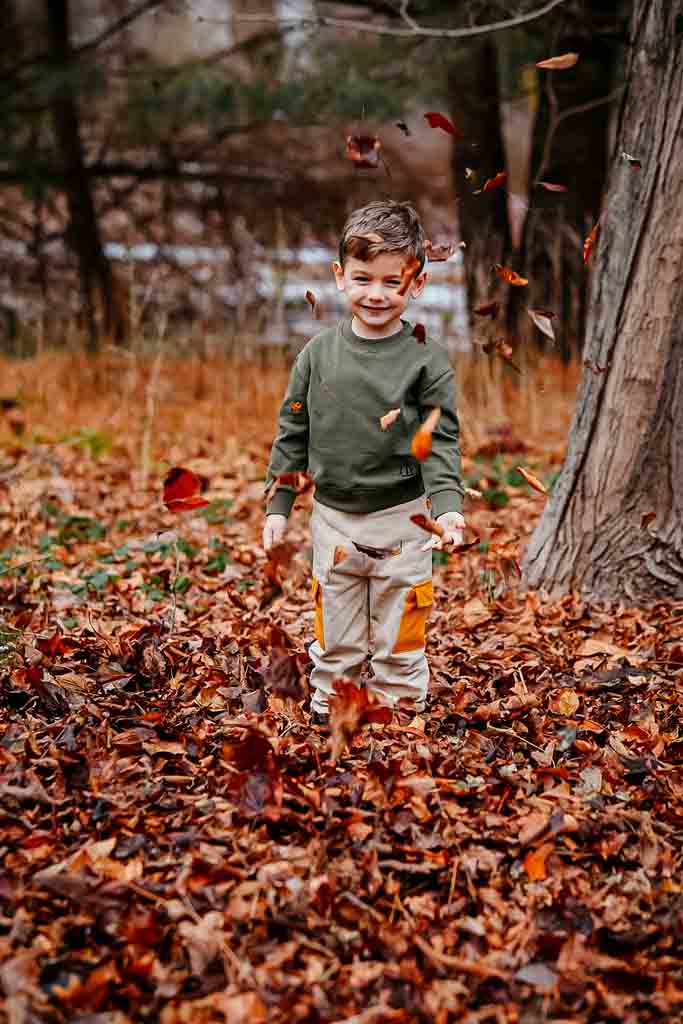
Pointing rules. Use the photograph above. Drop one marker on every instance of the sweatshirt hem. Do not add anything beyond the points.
(371, 500)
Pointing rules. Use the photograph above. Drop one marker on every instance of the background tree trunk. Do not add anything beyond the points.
(96, 276)
(625, 453)
(484, 225)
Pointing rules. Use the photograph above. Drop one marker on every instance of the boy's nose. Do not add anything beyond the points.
(376, 291)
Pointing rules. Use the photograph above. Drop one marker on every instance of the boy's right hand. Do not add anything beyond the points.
(274, 530)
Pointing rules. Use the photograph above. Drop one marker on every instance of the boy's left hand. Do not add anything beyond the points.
(453, 523)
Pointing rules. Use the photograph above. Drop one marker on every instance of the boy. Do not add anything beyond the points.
(372, 570)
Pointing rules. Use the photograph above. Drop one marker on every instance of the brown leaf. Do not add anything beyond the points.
(363, 150)
(646, 519)
(544, 321)
(532, 480)
(310, 299)
(409, 272)
(552, 186)
(487, 309)
(510, 276)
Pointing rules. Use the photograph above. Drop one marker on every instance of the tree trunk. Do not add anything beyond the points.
(97, 281)
(475, 105)
(625, 451)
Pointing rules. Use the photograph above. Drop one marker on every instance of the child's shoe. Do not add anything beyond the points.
(320, 719)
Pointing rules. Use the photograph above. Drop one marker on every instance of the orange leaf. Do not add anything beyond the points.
(589, 243)
(310, 299)
(561, 63)
(363, 150)
(420, 334)
(511, 276)
(532, 480)
(421, 445)
(495, 182)
(295, 406)
(487, 309)
(409, 272)
(181, 490)
(534, 862)
(436, 120)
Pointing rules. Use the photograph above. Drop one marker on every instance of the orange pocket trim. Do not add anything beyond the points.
(317, 594)
(411, 631)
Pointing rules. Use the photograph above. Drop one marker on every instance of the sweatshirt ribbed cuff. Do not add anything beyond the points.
(446, 501)
(281, 502)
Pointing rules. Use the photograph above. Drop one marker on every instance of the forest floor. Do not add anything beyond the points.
(179, 845)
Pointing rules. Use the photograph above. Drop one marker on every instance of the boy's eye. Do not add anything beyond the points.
(394, 281)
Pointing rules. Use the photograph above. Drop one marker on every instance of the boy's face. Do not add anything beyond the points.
(372, 292)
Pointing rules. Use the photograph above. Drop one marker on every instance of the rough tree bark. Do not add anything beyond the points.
(625, 452)
(97, 280)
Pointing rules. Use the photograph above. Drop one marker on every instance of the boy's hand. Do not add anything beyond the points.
(274, 530)
(453, 523)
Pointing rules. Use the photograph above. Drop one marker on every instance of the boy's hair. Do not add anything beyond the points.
(384, 225)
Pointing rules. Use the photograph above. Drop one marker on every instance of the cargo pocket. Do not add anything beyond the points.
(317, 592)
(411, 632)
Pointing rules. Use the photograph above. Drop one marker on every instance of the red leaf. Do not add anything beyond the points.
(181, 490)
(420, 334)
(363, 150)
(495, 182)
(633, 161)
(310, 299)
(437, 120)
(589, 243)
(553, 186)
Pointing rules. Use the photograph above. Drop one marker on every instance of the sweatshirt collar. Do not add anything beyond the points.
(374, 344)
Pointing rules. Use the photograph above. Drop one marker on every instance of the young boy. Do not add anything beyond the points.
(372, 569)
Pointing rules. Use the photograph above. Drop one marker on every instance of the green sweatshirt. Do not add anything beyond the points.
(339, 387)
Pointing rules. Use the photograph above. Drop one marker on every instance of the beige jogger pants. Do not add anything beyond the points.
(363, 603)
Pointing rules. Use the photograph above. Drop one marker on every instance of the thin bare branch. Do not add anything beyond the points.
(412, 28)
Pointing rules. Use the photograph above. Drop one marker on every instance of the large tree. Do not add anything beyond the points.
(625, 451)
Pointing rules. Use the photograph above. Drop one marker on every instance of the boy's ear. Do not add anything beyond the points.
(418, 284)
(338, 272)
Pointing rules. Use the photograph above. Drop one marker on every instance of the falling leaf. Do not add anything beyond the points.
(350, 709)
(363, 150)
(439, 253)
(511, 276)
(404, 128)
(425, 523)
(421, 444)
(543, 319)
(389, 418)
(340, 555)
(492, 183)
(632, 160)
(295, 406)
(487, 309)
(409, 272)
(436, 120)
(553, 186)
(181, 492)
(646, 519)
(310, 299)
(561, 63)
(373, 552)
(502, 348)
(532, 480)
(471, 175)
(535, 862)
(589, 243)
(595, 367)
(420, 334)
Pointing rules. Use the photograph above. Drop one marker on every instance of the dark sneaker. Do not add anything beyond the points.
(320, 719)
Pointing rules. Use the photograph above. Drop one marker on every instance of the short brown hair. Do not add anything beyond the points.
(384, 225)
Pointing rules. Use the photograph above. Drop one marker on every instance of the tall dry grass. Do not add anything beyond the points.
(160, 399)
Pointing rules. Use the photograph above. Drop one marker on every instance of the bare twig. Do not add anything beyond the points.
(412, 27)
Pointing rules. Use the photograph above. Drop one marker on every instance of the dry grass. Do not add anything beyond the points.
(159, 401)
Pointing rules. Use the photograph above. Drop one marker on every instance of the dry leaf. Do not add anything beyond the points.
(543, 320)
(552, 186)
(409, 272)
(421, 444)
(561, 63)
(589, 243)
(389, 418)
(492, 183)
(532, 480)
(487, 309)
(363, 150)
(646, 519)
(420, 334)
(310, 299)
(511, 276)
(632, 160)
(437, 120)
(535, 862)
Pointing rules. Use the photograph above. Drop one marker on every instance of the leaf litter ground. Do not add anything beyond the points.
(179, 845)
